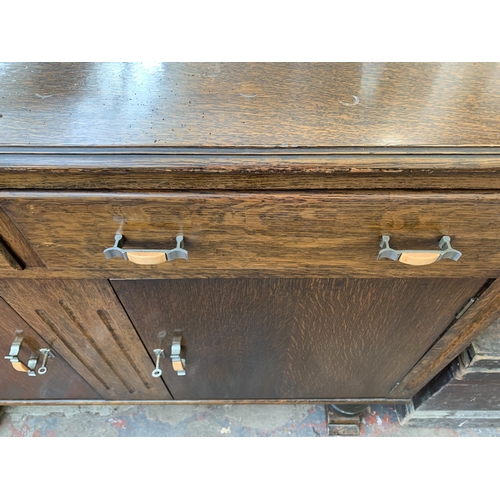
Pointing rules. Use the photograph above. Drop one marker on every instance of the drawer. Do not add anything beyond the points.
(314, 233)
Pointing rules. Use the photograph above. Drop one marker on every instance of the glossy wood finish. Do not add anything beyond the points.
(286, 338)
(59, 382)
(230, 154)
(456, 338)
(250, 104)
(334, 234)
(85, 322)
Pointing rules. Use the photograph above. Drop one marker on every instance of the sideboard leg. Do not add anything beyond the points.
(343, 420)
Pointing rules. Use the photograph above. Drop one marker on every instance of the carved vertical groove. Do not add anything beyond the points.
(72, 316)
(106, 320)
(44, 317)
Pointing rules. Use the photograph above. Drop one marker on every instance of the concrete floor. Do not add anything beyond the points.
(199, 420)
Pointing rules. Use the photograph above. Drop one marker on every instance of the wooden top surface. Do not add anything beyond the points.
(262, 105)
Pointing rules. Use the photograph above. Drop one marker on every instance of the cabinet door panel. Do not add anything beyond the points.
(59, 382)
(292, 338)
(84, 321)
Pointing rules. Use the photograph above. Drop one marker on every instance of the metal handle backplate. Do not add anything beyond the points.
(418, 257)
(145, 256)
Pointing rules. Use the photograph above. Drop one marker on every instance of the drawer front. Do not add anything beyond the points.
(309, 233)
(59, 381)
(284, 338)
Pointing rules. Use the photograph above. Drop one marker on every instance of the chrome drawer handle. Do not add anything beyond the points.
(178, 362)
(418, 257)
(145, 256)
(17, 364)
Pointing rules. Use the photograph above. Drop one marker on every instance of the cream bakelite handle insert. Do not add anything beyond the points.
(418, 257)
(145, 256)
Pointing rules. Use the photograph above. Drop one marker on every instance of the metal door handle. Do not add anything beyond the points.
(418, 257)
(146, 256)
(17, 364)
(178, 362)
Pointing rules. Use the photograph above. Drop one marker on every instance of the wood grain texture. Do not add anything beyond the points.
(249, 171)
(8, 259)
(250, 104)
(16, 251)
(455, 340)
(330, 234)
(292, 339)
(85, 322)
(59, 382)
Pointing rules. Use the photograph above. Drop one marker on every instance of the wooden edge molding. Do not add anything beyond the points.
(129, 402)
(456, 339)
(207, 172)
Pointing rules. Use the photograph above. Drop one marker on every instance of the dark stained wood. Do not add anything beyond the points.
(286, 338)
(59, 382)
(468, 327)
(466, 393)
(332, 234)
(471, 392)
(250, 104)
(484, 352)
(85, 322)
(146, 172)
(15, 251)
(289, 170)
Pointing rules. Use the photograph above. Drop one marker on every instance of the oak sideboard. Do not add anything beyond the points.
(234, 232)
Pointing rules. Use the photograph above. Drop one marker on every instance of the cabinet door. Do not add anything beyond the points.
(59, 382)
(86, 323)
(292, 338)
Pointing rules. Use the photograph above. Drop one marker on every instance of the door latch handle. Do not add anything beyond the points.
(159, 353)
(178, 362)
(418, 257)
(146, 256)
(17, 364)
(47, 353)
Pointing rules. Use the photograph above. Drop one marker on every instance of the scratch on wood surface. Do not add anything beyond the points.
(355, 103)
(44, 96)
